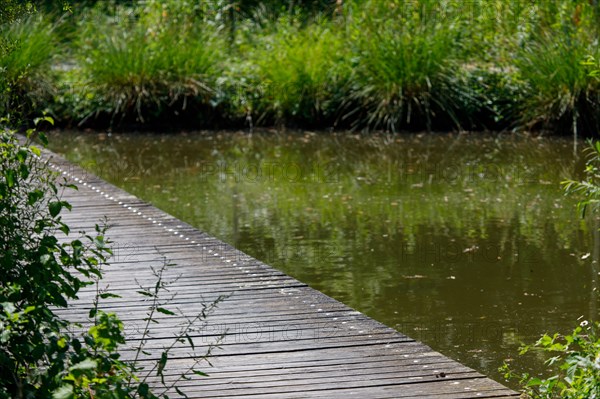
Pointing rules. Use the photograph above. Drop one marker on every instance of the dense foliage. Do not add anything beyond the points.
(390, 65)
(43, 355)
(38, 355)
(575, 357)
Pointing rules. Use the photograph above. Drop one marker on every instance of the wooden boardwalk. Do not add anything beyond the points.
(284, 339)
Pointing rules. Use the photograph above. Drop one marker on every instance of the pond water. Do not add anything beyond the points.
(465, 242)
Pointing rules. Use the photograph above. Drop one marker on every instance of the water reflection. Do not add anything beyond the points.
(466, 243)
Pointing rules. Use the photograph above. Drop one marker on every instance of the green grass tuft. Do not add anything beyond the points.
(297, 74)
(26, 78)
(560, 93)
(143, 71)
(406, 68)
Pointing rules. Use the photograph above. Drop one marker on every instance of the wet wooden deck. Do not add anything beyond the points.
(284, 339)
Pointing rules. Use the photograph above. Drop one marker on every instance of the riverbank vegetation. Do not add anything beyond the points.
(361, 64)
(43, 353)
(572, 360)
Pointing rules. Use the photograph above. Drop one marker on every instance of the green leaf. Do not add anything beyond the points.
(10, 177)
(181, 393)
(29, 309)
(165, 311)
(62, 343)
(64, 228)
(109, 295)
(534, 382)
(161, 366)
(22, 155)
(42, 136)
(86, 364)
(63, 392)
(190, 341)
(200, 373)
(24, 171)
(143, 390)
(44, 118)
(34, 196)
(54, 207)
(65, 204)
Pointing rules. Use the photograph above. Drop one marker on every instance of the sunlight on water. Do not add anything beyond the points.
(464, 242)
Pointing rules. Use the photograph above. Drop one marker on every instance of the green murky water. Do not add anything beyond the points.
(465, 242)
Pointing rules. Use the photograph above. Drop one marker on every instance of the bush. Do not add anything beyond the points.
(41, 355)
(38, 275)
(576, 359)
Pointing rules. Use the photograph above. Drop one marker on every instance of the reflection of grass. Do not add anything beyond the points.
(373, 185)
(390, 209)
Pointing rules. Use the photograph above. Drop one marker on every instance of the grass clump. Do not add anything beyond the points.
(390, 65)
(405, 59)
(26, 77)
(297, 74)
(140, 72)
(560, 93)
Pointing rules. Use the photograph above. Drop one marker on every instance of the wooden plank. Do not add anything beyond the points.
(279, 337)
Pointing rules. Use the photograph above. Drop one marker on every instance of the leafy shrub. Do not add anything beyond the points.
(38, 273)
(41, 355)
(576, 359)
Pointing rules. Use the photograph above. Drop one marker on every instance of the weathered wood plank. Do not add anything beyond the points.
(279, 337)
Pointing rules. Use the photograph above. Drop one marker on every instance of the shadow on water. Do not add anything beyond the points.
(464, 242)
